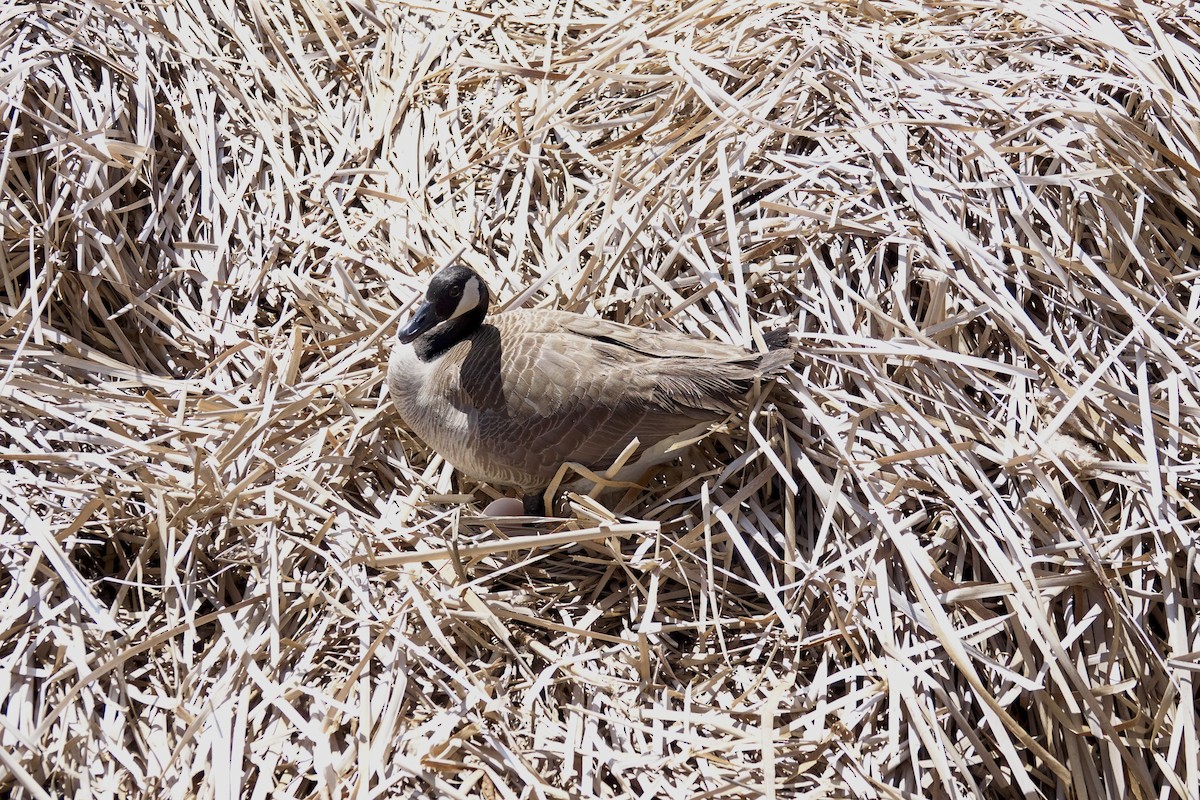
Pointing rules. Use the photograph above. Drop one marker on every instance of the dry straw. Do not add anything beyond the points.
(952, 555)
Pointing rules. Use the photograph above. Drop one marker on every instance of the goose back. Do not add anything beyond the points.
(531, 389)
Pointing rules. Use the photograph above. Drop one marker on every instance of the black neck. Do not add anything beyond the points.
(441, 338)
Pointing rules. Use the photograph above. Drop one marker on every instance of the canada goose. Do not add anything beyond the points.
(510, 398)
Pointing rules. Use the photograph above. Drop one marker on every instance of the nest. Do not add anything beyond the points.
(952, 554)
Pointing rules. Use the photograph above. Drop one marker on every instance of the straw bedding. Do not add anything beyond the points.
(952, 554)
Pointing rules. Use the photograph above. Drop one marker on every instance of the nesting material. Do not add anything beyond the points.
(953, 554)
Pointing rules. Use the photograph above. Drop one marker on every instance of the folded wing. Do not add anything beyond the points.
(576, 389)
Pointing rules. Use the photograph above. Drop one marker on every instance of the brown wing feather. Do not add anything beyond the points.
(570, 388)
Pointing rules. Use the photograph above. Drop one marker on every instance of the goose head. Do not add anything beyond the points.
(455, 304)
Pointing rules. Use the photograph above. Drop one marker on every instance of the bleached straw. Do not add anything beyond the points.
(952, 554)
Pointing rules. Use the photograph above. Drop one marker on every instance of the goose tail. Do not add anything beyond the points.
(779, 355)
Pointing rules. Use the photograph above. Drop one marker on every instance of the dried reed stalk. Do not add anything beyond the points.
(953, 555)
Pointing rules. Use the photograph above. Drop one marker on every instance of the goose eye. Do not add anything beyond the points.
(456, 291)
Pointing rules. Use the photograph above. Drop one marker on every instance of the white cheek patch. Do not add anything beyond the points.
(469, 300)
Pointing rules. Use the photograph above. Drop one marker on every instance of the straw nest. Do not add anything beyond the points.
(952, 554)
